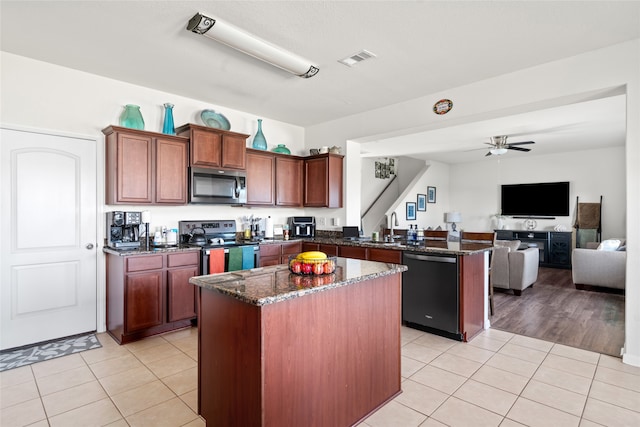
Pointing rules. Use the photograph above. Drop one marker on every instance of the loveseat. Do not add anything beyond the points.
(600, 267)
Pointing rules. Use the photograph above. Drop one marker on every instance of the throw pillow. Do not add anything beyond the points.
(609, 245)
(513, 245)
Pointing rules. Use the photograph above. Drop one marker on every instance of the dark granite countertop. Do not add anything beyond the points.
(427, 246)
(272, 284)
(153, 250)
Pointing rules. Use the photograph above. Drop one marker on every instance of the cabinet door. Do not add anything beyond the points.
(323, 181)
(143, 300)
(181, 294)
(331, 250)
(171, 172)
(560, 249)
(385, 255)
(233, 151)
(260, 179)
(289, 181)
(206, 148)
(133, 169)
(291, 248)
(352, 252)
(308, 246)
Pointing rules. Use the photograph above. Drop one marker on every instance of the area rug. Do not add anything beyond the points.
(14, 358)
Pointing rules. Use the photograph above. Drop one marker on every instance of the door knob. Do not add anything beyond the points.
(89, 246)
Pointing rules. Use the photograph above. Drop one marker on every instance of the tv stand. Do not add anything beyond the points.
(554, 246)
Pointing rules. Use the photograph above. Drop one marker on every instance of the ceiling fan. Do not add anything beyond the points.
(499, 145)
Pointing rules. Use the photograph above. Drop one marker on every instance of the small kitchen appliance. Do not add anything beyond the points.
(123, 229)
(214, 234)
(302, 226)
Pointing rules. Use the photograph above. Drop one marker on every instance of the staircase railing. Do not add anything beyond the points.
(378, 198)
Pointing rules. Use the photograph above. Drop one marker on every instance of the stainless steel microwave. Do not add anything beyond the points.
(217, 186)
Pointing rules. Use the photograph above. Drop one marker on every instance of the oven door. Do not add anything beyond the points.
(204, 265)
(217, 186)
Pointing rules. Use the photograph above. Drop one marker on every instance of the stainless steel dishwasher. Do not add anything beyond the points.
(430, 293)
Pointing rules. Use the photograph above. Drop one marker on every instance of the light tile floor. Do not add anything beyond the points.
(498, 379)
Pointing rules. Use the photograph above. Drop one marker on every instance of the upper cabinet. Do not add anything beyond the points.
(323, 181)
(145, 167)
(274, 179)
(215, 148)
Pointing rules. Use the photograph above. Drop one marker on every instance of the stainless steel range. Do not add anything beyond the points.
(211, 235)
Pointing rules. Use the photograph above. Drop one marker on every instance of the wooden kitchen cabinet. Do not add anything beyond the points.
(289, 178)
(278, 253)
(323, 181)
(150, 294)
(215, 148)
(144, 167)
(261, 178)
(385, 255)
(356, 252)
(274, 179)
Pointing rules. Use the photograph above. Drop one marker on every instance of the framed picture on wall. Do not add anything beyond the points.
(411, 211)
(431, 194)
(422, 202)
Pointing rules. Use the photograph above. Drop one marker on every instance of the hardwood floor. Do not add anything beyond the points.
(553, 310)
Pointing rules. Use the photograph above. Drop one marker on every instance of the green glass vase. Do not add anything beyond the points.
(131, 117)
(259, 141)
(282, 149)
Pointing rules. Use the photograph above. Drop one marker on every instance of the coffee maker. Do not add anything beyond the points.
(123, 229)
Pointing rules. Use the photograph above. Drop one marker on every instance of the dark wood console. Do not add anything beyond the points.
(554, 246)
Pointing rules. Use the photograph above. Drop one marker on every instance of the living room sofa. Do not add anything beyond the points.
(512, 268)
(594, 267)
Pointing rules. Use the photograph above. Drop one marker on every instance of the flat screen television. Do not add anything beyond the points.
(541, 199)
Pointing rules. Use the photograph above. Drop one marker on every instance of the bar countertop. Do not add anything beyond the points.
(272, 284)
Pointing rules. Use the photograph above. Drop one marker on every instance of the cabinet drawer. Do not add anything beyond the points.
(352, 252)
(291, 248)
(331, 250)
(385, 255)
(141, 263)
(270, 250)
(308, 246)
(187, 258)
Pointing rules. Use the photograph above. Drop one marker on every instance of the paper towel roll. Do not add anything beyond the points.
(268, 228)
(146, 217)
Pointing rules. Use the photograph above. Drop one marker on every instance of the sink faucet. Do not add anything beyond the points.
(393, 215)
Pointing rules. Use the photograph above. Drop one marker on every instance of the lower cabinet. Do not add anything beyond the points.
(278, 253)
(372, 254)
(554, 246)
(150, 294)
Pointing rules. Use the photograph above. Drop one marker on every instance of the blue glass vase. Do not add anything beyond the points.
(259, 142)
(131, 117)
(168, 127)
(282, 149)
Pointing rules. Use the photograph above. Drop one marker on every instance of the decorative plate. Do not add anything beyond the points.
(443, 106)
(215, 120)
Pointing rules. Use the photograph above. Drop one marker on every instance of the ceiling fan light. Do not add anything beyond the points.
(498, 151)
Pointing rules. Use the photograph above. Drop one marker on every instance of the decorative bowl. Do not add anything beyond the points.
(312, 267)
(215, 120)
(282, 149)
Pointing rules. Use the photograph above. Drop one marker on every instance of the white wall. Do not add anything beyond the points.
(533, 88)
(591, 173)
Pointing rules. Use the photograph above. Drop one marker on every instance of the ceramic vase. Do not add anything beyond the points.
(168, 127)
(131, 117)
(259, 142)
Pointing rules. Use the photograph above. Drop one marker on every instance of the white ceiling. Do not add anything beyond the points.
(422, 47)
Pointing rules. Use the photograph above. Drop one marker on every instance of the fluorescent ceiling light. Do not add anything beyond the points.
(251, 45)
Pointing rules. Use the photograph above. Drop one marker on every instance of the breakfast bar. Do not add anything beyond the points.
(276, 348)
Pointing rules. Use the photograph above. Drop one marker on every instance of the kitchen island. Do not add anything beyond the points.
(279, 349)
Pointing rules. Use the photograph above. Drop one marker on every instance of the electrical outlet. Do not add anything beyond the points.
(321, 221)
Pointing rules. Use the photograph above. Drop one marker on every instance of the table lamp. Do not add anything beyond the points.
(452, 218)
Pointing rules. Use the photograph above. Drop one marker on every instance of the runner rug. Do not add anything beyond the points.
(14, 358)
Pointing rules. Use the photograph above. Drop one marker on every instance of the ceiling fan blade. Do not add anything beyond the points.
(488, 154)
(518, 148)
(521, 143)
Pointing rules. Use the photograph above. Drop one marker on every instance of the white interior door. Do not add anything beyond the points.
(48, 239)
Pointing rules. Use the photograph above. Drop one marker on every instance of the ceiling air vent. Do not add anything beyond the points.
(356, 58)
